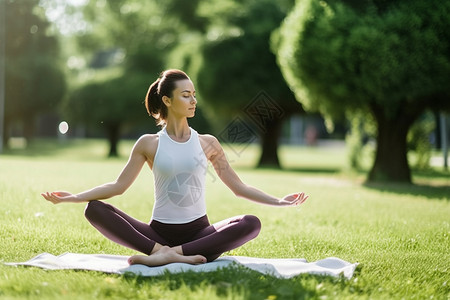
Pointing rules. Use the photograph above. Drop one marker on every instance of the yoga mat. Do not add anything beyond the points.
(278, 267)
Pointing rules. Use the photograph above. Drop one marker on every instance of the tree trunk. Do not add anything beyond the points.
(29, 128)
(113, 133)
(269, 144)
(391, 162)
(6, 133)
(437, 131)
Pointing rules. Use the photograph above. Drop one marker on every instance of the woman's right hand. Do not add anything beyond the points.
(58, 197)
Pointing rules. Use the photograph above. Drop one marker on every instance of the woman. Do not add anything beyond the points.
(179, 230)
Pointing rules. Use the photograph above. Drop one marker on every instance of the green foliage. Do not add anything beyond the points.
(232, 66)
(354, 141)
(143, 30)
(387, 59)
(236, 56)
(358, 139)
(35, 81)
(339, 59)
(186, 13)
(115, 100)
(112, 98)
(419, 140)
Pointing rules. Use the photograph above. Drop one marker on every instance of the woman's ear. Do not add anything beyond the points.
(167, 101)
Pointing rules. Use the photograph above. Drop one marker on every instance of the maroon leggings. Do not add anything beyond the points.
(196, 237)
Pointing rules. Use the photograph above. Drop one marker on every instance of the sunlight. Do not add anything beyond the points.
(63, 127)
(66, 19)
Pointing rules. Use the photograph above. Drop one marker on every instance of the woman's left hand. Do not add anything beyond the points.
(293, 199)
(59, 197)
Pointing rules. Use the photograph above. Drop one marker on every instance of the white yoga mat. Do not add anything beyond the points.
(278, 267)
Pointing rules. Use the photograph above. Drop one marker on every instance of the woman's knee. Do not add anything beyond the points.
(93, 208)
(253, 224)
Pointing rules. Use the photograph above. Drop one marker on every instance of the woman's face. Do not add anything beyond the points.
(183, 101)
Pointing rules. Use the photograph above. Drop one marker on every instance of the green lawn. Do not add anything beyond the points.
(399, 234)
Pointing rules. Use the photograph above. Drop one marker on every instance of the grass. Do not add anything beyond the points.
(399, 234)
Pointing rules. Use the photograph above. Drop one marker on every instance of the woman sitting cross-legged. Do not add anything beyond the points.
(179, 230)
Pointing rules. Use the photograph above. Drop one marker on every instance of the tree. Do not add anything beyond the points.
(140, 33)
(390, 59)
(109, 105)
(239, 72)
(35, 82)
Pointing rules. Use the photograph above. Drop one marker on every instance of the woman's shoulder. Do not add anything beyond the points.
(210, 145)
(147, 141)
(149, 137)
(147, 145)
(208, 138)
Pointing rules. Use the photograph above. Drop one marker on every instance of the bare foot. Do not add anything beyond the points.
(164, 256)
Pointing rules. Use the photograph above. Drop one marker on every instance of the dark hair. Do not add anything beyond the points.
(163, 86)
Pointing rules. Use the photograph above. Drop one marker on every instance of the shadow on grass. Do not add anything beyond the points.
(44, 147)
(73, 148)
(319, 170)
(309, 170)
(41, 147)
(435, 192)
(432, 173)
(242, 283)
(429, 183)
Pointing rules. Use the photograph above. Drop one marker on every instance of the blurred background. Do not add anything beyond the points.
(359, 74)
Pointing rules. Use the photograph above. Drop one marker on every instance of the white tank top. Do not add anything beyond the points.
(179, 171)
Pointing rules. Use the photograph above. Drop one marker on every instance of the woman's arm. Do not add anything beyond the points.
(127, 176)
(226, 173)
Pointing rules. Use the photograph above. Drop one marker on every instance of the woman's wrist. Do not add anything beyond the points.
(78, 198)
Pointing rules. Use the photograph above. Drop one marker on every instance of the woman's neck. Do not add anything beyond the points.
(179, 131)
